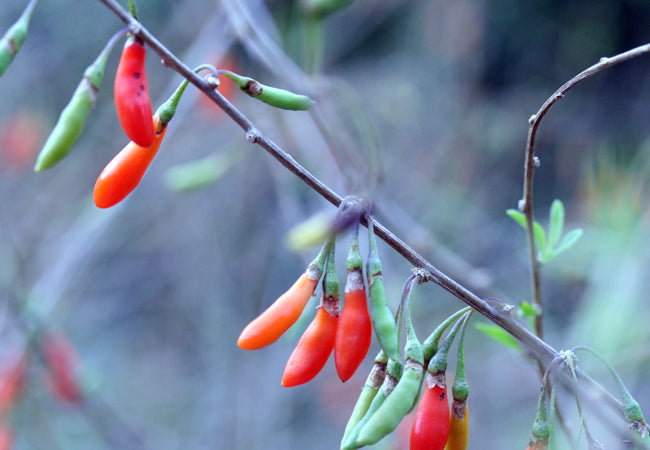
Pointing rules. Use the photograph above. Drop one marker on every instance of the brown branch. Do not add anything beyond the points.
(493, 309)
(497, 312)
(532, 162)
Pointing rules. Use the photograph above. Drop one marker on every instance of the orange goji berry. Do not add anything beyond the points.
(278, 318)
(121, 176)
(458, 427)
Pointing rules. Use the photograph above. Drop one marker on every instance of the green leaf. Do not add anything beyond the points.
(568, 241)
(197, 174)
(311, 232)
(540, 237)
(517, 216)
(526, 309)
(556, 224)
(499, 334)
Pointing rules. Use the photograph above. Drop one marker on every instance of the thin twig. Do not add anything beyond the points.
(532, 163)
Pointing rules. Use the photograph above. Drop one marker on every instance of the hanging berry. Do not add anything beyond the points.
(62, 363)
(354, 332)
(6, 435)
(132, 94)
(15, 36)
(285, 311)
(317, 343)
(73, 117)
(394, 370)
(123, 174)
(431, 424)
(459, 420)
(382, 318)
(405, 394)
(12, 381)
(273, 96)
(368, 393)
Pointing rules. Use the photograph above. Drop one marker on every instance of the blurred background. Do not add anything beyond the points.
(422, 107)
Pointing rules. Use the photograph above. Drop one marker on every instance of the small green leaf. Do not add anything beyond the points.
(540, 237)
(499, 334)
(526, 309)
(556, 224)
(197, 174)
(311, 232)
(517, 216)
(568, 241)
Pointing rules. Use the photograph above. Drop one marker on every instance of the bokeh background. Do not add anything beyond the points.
(422, 108)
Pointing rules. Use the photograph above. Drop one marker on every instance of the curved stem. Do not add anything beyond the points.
(532, 163)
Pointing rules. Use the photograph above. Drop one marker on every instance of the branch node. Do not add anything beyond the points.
(532, 119)
(135, 27)
(212, 81)
(252, 136)
(536, 161)
(603, 60)
(521, 205)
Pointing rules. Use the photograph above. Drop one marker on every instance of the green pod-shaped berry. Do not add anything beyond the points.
(430, 344)
(382, 318)
(67, 129)
(73, 117)
(394, 371)
(395, 407)
(383, 321)
(368, 393)
(14, 37)
(273, 96)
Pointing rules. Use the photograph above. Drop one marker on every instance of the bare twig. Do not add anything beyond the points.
(532, 163)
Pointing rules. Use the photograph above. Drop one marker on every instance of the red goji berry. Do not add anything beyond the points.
(132, 94)
(312, 351)
(62, 361)
(354, 334)
(431, 424)
(12, 381)
(6, 436)
(125, 171)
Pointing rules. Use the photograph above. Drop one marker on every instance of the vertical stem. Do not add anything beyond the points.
(527, 209)
(314, 43)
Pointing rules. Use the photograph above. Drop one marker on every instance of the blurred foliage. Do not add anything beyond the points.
(422, 107)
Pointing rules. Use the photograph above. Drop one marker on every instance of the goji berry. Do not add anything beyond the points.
(132, 94)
